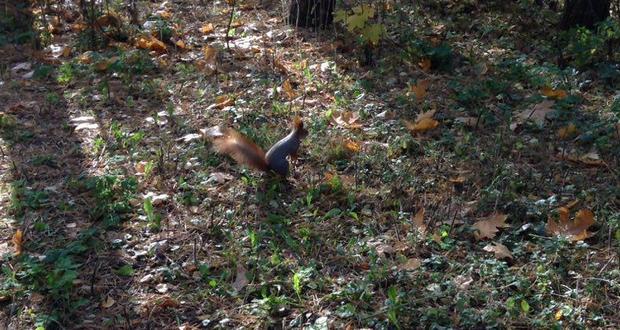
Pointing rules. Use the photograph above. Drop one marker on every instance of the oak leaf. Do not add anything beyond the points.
(489, 226)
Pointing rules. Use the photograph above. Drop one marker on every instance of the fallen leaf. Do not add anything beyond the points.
(421, 126)
(161, 287)
(167, 302)
(108, 302)
(207, 28)
(500, 250)
(420, 89)
(489, 226)
(288, 90)
(553, 93)
(18, 241)
(425, 64)
(223, 101)
(241, 279)
(210, 54)
(567, 131)
(418, 221)
(348, 119)
(576, 230)
(424, 115)
(351, 146)
(538, 113)
(66, 52)
(411, 264)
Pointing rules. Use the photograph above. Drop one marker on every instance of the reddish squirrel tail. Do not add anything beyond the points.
(241, 149)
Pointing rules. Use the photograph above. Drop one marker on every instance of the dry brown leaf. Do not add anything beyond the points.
(567, 131)
(207, 28)
(421, 126)
(351, 146)
(66, 52)
(108, 302)
(418, 221)
(157, 45)
(288, 90)
(277, 63)
(18, 242)
(538, 113)
(411, 264)
(489, 226)
(500, 250)
(425, 64)
(165, 14)
(420, 89)
(223, 101)
(210, 54)
(348, 119)
(167, 302)
(240, 280)
(576, 230)
(553, 93)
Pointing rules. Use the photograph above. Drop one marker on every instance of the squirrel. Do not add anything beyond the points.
(245, 151)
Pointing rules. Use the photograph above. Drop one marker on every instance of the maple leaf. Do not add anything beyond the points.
(500, 250)
(576, 230)
(356, 22)
(489, 226)
(424, 122)
(538, 113)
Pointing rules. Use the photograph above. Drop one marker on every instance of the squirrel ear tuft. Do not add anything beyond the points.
(297, 122)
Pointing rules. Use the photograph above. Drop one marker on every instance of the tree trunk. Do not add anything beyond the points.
(584, 13)
(316, 14)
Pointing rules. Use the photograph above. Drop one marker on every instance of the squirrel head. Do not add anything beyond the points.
(298, 127)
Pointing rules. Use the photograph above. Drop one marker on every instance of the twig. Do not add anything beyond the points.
(232, 12)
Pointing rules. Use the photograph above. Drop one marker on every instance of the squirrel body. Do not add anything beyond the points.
(245, 151)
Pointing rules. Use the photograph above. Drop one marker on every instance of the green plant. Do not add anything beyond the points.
(357, 21)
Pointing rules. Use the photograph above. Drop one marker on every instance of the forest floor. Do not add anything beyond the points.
(462, 174)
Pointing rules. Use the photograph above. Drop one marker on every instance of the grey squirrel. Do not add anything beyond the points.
(245, 151)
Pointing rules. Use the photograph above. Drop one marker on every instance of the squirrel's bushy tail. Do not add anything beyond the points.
(241, 149)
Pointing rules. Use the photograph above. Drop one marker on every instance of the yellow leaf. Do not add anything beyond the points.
(157, 45)
(207, 28)
(552, 93)
(18, 241)
(143, 43)
(165, 14)
(558, 315)
(425, 64)
(489, 226)
(288, 90)
(180, 44)
(423, 125)
(351, 146)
